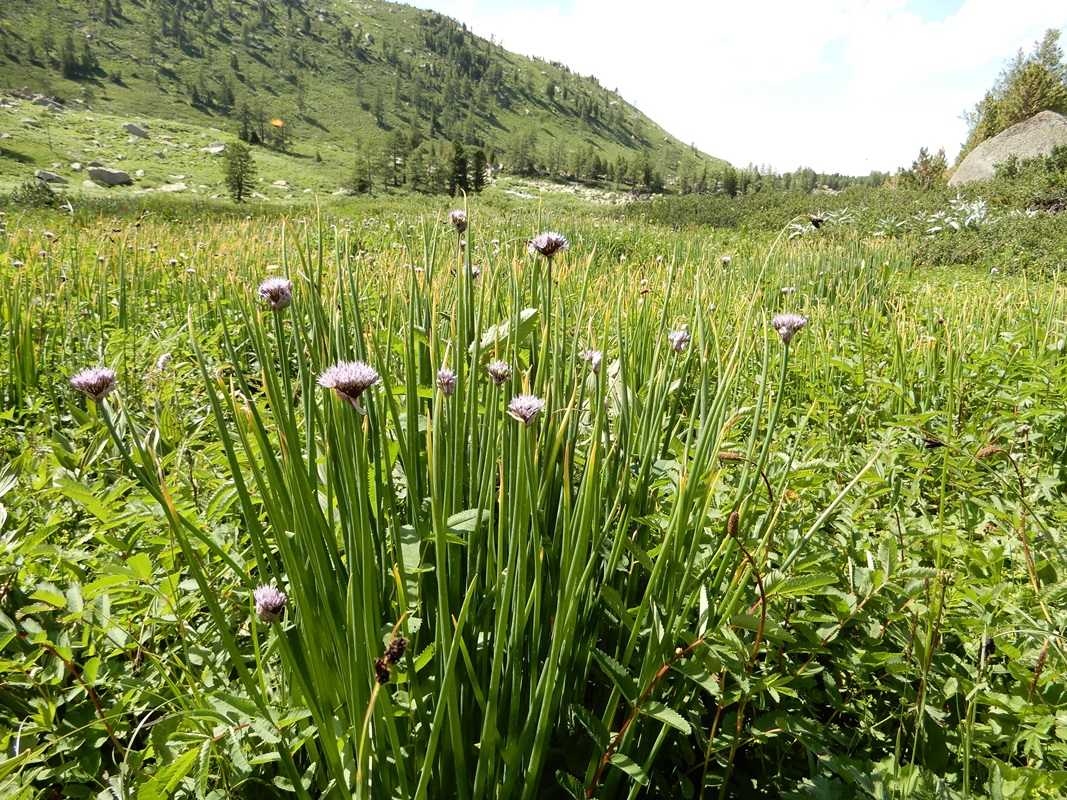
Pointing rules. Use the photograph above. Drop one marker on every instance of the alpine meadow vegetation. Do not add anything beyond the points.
(402, 501)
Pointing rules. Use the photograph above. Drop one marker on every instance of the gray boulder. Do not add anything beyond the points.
(109, 177)
(50, 177)
(214, 148)
(1034, 137)
(134, 130)
(173, 187)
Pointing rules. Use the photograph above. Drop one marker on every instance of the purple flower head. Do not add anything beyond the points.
(446, 381)
(97, 382)
(595, 359)
(499, 371)
(278, 292)
(458, 218)
(525, 408)
(548, 244)
(788, 324)
(349, 379)
(679, 339)
(394, 651)
(270, 602)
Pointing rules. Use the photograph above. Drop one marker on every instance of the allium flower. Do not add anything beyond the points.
(349, 379)
(525, 408)
(499, 371)
(679, 339)
(595, 359)
(548, 244)
(458, 218)
(278, 292)
(163, 362)
(270, 601)
(788, 324)
(97, 382)
(725, 261)
(475, 272)
(446, 381)
(789, 290)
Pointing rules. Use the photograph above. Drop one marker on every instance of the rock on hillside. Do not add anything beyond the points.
(1035, 137)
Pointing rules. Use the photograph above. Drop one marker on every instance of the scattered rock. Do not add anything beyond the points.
(90, 119)
(173, 187)
(139, 173)
(76, 166)
(90, 184)
(135, 130)
(49, 177)
(159, 154)
(280, 183)
(31, 122)
(176, 178)
(94, 164)
(258, 196)
(309, 191)
(109, 176)
(345, 192)
(214, 148)
(5, 135)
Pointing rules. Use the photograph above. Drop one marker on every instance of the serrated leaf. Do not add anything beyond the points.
(627, 765)
(591, 722)
(49, 593)
(802, 584)
(426, 656)
(666, 715)
(140, 565)
(570, 784)
(618, 674)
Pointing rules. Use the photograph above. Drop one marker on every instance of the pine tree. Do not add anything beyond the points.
(479, 170)
(457, 169)
(68, 58)
(240, 169)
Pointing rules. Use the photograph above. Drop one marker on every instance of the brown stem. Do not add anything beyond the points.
(679, 654)
(89, 690)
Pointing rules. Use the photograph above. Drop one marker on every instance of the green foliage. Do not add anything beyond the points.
(240, 170)
(1026, 86)
(35, 193)
(827, 568)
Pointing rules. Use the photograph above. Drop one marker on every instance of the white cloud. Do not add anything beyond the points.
(839, 86)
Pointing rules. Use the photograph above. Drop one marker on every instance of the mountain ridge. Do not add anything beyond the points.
(371, 87)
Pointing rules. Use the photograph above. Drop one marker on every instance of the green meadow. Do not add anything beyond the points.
(676, 510)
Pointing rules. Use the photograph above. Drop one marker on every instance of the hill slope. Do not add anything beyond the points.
(373, 88)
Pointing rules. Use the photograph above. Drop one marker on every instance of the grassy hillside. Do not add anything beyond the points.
(373, 87)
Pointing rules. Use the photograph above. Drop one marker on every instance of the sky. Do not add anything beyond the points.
(847, 86)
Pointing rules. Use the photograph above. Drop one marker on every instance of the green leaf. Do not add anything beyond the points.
(591, 722)
(571, 785)
(801, 585)
(466, 521)
(629, 767)
(500, 336)
(164, 783)
(49, 593)
(666, 715)
(140, 566)
(618, 674)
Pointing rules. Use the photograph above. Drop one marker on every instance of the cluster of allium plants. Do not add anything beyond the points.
(373, 528)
